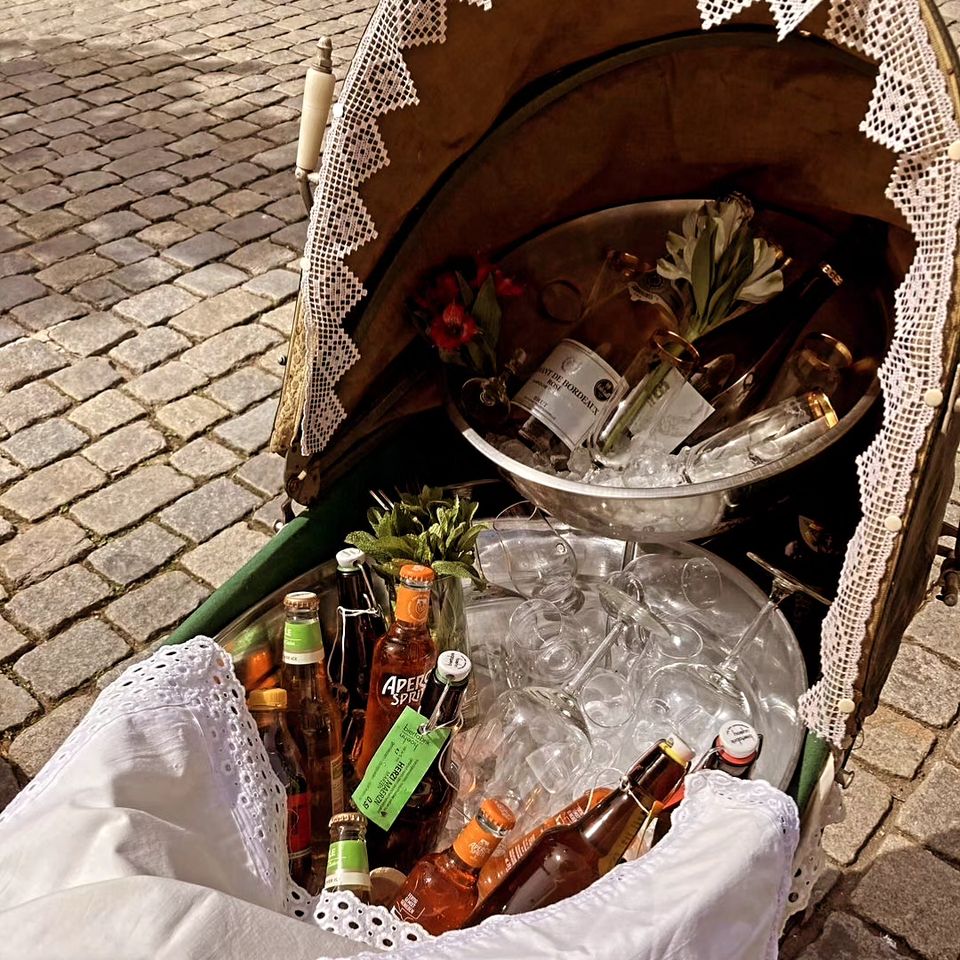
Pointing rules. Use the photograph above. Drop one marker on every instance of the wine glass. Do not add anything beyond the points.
(544, 645)
(677, 585)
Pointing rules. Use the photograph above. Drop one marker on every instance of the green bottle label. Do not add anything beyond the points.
(397, 768)
(302, 642)
(347, 865)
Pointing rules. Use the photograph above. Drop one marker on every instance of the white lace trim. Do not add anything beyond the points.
(911, 113)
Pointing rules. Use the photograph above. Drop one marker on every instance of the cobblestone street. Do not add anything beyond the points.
(150, 236)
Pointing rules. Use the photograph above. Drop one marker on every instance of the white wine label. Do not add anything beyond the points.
(571, 391)
(674, 411)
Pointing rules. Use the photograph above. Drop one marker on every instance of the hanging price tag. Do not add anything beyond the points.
(397, 768)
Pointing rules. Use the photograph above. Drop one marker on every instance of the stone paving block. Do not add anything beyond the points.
(219, 313)
(125, 251)
(82, 162)
(235, 203)
(199, 191)
(275, 285)
(246, 386)
(126, 447)
(130, 499)
(41, 198)
(155, 306)
(165, 233)
(46, 606)
(165, 383)
(135, 554)
(60, 247)
(220, 558)
(99, 202)
(149, 348)
(257, 258)
(10, 331)
(911, 893)
(15, 704)
(99, 293)
(9, 785)
(89, 181)
(201, 219)
(14, 263)
(294, 236)
(106, 412)
(953, 746)
(12, 641)
(86, 378)
(846, 938)
(45, 490)
(933, 628)
(190, 416)
(93, 333)
(159, 604)
(212, 279)
(923, 686)
(158, 208)
(202, 459)
(42, 549)
(249, 432)
(36, 401)
(115, 225)
(932, 812)
(44, 442)
(48, 311)
(199, 250)
(69, 273)
(287, 209)
(206, 511)
(252, 226)
(39, 226)
(38, 743)
(894, 744)
(66, 661)
(866, 803)
(239, 174)
(138, 277)
(264, 473)
(20, 289)
(220, 353)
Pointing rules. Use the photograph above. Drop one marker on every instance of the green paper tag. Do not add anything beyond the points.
(397, 768)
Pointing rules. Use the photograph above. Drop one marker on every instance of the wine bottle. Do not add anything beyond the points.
(567, 859)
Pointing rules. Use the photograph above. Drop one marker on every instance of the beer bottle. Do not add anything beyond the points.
(415, 830)
(314, 718)
(567, 859)
(347, 866)
(359, 627)
(268, 708)
(402, 660)
(441, 891)
(502, 862)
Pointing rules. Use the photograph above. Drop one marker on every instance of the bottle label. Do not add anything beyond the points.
(413, 606)
(474, 844)
(298, 824)
(302, 643)
(571, 391)
(674, 411)
(347, 865)
(408, 908)
(336, 783)
(396, 769)
(403, 691)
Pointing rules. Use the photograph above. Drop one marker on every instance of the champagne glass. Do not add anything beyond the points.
(544, 645)
(485, 400)
(677, 585)
(818, 362)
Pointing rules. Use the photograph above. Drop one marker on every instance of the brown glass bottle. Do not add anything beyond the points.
(402, 660)
(268, 708)
(441, 891)
(314, 718)
(567, 859)
(359, 626)
(347, 864)
(418, 824)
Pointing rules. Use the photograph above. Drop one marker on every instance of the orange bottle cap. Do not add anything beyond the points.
(498, 815)
(275, 699)
(417, 573)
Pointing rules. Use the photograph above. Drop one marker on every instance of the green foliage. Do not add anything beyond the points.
(423, 528)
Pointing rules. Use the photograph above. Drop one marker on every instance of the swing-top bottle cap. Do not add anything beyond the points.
(349, 557)
(302, 600)
(453, 667)
(417, 573)
(677, 750)
(272, 699)
(738, 740)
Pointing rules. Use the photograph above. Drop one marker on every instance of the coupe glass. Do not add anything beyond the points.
(544, 645)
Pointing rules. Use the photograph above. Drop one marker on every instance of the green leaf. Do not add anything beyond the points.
(450, 568)
(701, 269)
(487, 311)
(477, 356)
(363, 541)
(466, 291)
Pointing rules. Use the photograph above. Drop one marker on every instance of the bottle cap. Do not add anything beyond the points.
(302, 601)
(819, 405)
(349, 819)
(273, 699)
(453, 667)
(496, 814)
(677, 750)
(349, 557)
(417, 573)
(738, 740)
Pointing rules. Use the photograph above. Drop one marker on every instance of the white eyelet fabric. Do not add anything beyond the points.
(910, 113)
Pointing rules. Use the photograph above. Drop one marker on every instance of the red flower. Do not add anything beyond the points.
(453, 328)
(503, 285)
(442, 289)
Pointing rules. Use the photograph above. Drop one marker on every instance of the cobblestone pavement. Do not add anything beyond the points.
(149, 238)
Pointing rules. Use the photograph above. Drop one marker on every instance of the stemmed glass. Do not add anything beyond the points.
(716, 689)
(544, 645)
